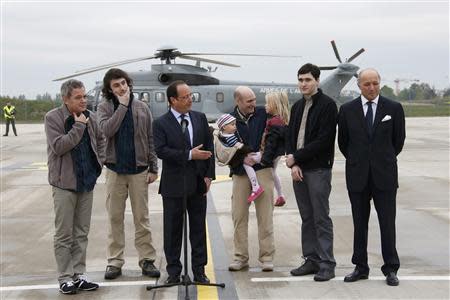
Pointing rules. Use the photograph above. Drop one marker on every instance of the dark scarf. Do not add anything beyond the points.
(85, 162)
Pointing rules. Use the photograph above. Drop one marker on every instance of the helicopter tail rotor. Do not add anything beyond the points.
(336, 53)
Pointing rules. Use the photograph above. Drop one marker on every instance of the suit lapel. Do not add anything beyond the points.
(172, 120)
(379, 113)
(358, 109)
(195, 124)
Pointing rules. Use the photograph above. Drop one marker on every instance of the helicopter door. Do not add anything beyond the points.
(158, 103)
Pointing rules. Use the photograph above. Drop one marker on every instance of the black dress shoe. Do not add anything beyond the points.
(112, 272)
(392, 279)
(308, 267)
(173, 279)
(324, 275)
(356, 275)
(201, 278)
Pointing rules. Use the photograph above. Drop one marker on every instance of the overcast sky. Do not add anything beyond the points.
(44, 40)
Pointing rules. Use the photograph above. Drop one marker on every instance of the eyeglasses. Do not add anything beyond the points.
(185, 97)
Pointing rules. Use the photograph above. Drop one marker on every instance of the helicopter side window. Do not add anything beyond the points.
(196, 97)
(220, 97)
(145, 97)
(160, 97)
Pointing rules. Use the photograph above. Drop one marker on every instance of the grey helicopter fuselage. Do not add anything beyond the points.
(211, 95)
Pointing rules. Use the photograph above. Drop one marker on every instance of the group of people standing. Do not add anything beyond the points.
(250, 140)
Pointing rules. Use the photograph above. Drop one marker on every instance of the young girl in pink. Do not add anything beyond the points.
(277, 106)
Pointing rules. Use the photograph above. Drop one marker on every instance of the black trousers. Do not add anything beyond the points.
(385, 205)
(173, 232)
(13, 125)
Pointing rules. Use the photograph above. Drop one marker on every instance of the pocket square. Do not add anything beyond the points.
(386, 118)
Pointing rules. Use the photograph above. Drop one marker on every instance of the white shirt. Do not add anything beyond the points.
(189, 127)
(365, 106)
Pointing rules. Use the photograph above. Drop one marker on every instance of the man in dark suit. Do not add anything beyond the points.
(371, 134)
(175, 150)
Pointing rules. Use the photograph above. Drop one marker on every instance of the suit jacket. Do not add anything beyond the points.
(376, 154)
(169, 143)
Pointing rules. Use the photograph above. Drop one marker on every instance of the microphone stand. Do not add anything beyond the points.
(185, 279)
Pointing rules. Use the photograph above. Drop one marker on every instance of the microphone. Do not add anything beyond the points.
(184, 125)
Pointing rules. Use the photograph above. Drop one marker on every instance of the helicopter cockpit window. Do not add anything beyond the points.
(160, 97)
(220, 97)
(145, 97)
(196, 97)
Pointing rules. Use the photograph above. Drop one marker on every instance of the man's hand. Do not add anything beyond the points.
(208, 185)
(197, 154)
(125, 98)
(296, 173)
(151, 177)
(81, 118)
(290, 161)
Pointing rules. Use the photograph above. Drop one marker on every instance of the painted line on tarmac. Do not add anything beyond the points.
(56, 286)
(206, 292)
(341, 278)
(219, 254)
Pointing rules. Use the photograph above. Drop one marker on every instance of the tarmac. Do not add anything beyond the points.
(28, 269)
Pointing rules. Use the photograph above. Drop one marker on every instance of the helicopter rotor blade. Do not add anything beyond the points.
(333, 43)
(325, 68)
(117, 63)
(102, 67)
(75, 75)
(356, 54)
(242, 54)
(208, 60)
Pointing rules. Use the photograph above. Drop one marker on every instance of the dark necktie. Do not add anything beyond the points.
(186, 131)
(369, 117)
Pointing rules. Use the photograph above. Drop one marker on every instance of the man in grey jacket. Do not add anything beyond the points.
(75, 148)
(131, 165)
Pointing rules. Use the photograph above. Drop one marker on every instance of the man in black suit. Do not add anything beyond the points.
(371, 134)
(176, 149)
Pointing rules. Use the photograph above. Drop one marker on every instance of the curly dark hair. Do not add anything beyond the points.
(112, 74)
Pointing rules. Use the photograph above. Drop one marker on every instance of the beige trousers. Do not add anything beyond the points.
(264, 216)
(72, 223)
(118, 187)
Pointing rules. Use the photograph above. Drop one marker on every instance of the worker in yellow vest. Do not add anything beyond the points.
(9, 112)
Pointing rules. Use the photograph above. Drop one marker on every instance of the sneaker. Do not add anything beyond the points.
(267, 266)
(149, 269)
(280, 201)
(237, 265)
(308, 267)
(68, 288)
(83, 283)
(255, 195)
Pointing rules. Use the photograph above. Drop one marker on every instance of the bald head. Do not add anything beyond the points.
(245, 99)
(368, 72)
(369, 83)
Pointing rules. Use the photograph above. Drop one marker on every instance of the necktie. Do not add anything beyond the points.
(369, 117)
(186, 131)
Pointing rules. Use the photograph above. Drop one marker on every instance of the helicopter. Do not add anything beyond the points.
(210, 95)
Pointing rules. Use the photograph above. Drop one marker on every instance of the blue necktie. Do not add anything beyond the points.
(369, 117)
(187, 137)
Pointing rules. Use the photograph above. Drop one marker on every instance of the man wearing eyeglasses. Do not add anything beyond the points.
(75, 148)
(131, 165)
(192, 149)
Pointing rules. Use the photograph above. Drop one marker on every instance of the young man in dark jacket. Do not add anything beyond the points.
(310, 148)
(131, 165)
